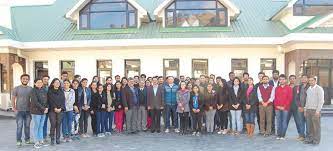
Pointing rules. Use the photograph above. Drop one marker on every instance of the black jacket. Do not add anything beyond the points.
(118, 100)
(97, 101)
(56, 99)
(251, 100)
(38, 101)
(222, 94)
(239, 99)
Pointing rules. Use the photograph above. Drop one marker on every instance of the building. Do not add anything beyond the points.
(165, 37)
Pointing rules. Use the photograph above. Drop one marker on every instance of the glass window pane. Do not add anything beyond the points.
(169, 19)
(194, 18)
(239, 66)
(131, 20)
(98, 1)
(132, 68)
(84, 20)
(104, 64)
(196, 4)
(108, 20)
(172, 6)
(318, 2)
(223, 18)
(108, 7)
(219, 5)
(171, 67)
(199, 67)
(68, 66)
(130, 7)
(41, 69)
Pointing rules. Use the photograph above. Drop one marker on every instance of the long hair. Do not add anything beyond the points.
(52, 83)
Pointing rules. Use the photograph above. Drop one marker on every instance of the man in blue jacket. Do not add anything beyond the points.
(170, 92)
(84, 96)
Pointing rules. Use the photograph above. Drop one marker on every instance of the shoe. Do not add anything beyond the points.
(225, 131)
(220, 132)
(18, 144)
(300, 138)
(308, 142)
(87, 135)
(282, 138)
(278, 138)
(177, 130)
(158, 131)
(69, 140)
(28, 142)
(52, 142)
(37, 145)
(167, 130)
(198, 133)
(194, 133)
(58, 142)
(43, 143)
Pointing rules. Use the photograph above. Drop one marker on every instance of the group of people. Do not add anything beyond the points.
(186, 105)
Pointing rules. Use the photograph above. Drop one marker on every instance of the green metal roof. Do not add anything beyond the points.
(47, 23)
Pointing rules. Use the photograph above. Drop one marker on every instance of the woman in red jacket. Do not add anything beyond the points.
(282, 101)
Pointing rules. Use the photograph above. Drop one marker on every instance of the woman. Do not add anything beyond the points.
(222, 106)
(119, 108)
(56, 99)
(76, 114)
(124, 82)
(147, 83)
(68, 113)
(110, 109)
(183, 109)
(210, 106)
(196, 104)
(93, 89)
(189, 86)
(99, 107)
(250, 108)
(38, 109)
(236, 96)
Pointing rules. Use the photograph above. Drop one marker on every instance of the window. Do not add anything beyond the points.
(239, 66)
(194, 13)
(104, 69)
(199, 67)
(106, 14)
(312, 7)
(132, 67)
(171, 67)
(3, 78)
(69, 67)
(267, 66)
(41, 69)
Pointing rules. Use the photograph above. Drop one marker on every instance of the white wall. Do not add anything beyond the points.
(219, 59)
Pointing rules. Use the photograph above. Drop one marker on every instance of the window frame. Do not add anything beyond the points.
(88, 13)
(35, 69)
(62, 69)
(302, 4)
(164, 68)
(267, 68)
(98, 70)
(236, 68)
(125, 65)
(174, 11)
(199, 59)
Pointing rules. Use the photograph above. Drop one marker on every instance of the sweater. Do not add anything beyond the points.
(264, 93)
(283, 97)
(56, 99)
(99, 100)
(69, 99)
(210, 100)
(38, 101)
(315, 98)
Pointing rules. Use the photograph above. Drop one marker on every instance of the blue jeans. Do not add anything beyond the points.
(302, 122)
(38, 126)
(108, 121)
(171, 109)
(281, 122)
(23, 118)
(100, 118)
(67, 120)
(237, 124)
(298, 121)
(45, 126)
(249, 117)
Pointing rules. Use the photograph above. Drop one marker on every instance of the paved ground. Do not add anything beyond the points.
(174, 142)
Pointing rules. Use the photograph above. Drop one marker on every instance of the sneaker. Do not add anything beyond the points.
(220, 132)
(28, 142)
(194, 133)
(167, 130)
(108, 133)
(69, 140)
(300, 138)
(225, 131)
(18, 144)
(278, 138)
(37, 145)
(177, 130)
(198, 133)
(282, 138)
(43, 143)
(87, 135)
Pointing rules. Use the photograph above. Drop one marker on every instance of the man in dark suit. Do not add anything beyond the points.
(131, 104)
(155, 104)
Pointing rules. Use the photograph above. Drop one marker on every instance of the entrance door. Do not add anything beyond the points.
(323, 69)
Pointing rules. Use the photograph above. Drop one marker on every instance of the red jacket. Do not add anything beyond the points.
(283, 97)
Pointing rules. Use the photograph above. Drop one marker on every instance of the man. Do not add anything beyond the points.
(64, 76)
(131, 104)
(170, 92)
(155, 102)
(136, 81)
(117, 78)
(203, 84)
(260, 76)
(274, 82)
(265, 96)
(84, 96)
(45, 80)
(245, 79)
(77, 77)
(312, 110)
(142, 116)
(21, 96)
(212, 76)
(300, 102)
(294, 108)
(181, 78)
(231, 79)
(160, 80)
(282, 101)
(143, 77)
(108, 81)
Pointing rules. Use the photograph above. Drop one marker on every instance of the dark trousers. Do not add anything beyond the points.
(170, 110)
(55, 120)
(184, 121)
(223, 119)
(93, 123)
(100, 119)
(108, 121)
(197, 124)
(156, 119)
(295, 113)
(83, 122)
(313, 126)
(45, 126)
(23, 119)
